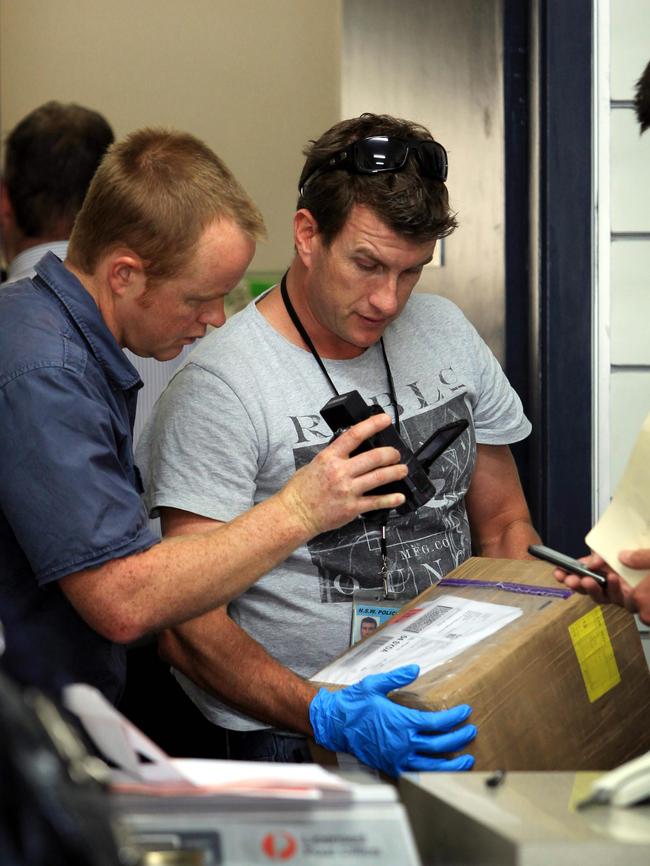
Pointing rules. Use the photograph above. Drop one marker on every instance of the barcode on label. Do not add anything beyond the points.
(437, 612)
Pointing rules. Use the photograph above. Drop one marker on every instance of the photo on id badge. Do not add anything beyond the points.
(367, 616)
(424, 545)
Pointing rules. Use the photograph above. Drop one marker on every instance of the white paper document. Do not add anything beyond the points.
(119, 741)
(241, 778)
(428, 635)
(625, 524)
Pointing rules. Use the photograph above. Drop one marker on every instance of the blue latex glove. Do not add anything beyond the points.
(362, 720)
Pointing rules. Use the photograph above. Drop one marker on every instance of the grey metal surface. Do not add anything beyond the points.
(440, 62)
(529, 819)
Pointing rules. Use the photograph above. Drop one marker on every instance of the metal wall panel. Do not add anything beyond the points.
(630, 303)
(630, 172)
(629, 390)
(440, 63)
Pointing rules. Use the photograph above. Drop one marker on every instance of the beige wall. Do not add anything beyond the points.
(254, 78)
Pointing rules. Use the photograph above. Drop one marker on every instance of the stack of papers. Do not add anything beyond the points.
(243, 778)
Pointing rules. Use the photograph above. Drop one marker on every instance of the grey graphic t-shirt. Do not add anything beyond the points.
(244, 413)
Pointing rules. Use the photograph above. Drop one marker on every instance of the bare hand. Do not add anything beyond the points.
(641, 593)
(618, 590)
(329, 491)
(636, 558)
(641, 599)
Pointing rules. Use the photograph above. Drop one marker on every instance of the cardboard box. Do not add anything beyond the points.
(565, 686)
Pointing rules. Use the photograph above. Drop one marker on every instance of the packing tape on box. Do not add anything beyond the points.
(523, 588)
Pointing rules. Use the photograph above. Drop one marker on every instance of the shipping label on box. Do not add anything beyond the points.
(428, 634)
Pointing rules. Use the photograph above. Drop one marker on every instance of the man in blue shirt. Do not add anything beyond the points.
(50, 157)
(164, 234)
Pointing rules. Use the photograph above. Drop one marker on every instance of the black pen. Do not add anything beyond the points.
(495, 779)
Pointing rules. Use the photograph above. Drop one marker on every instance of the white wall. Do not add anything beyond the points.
(623, 291)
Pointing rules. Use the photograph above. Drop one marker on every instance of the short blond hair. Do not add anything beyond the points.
(155, 192)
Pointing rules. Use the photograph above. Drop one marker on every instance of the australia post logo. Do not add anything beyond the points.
(279, 846)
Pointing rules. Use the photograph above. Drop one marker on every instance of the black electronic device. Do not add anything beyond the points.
(347, 409)
(566, 563)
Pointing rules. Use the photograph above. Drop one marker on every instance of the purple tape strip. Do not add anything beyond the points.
(523, 588)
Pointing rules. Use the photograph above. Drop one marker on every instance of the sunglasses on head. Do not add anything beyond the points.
(381, 153)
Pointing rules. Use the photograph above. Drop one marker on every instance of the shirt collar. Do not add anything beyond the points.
(83, 310)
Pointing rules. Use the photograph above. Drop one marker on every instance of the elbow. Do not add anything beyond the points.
(111, 601)
(126, 633)
(120, 624)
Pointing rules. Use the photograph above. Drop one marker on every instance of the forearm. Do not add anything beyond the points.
(509, 541)
(185, 576)
(182, 578)
(498, 515)
(223, 660)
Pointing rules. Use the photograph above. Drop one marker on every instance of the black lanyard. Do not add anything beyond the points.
(391, 392)
(308, 342)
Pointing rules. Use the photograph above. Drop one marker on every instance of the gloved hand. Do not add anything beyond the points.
(360, 719)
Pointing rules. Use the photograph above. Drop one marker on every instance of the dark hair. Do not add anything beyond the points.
(155, 192)
(50, 159)
(405, 201)
(642, 99)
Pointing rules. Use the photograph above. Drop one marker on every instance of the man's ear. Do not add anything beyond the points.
(125, 273)
(305, 234)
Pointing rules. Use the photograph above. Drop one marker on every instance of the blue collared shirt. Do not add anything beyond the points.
(69, 488)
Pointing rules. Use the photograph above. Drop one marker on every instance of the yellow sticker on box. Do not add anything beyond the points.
(595, 654)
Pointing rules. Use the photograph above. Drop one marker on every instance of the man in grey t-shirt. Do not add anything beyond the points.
(244, 413)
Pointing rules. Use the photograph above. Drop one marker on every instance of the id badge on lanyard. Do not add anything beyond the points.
(372, 607)
(369, 611)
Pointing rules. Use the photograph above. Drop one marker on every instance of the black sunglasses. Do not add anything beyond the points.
(381, 153)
